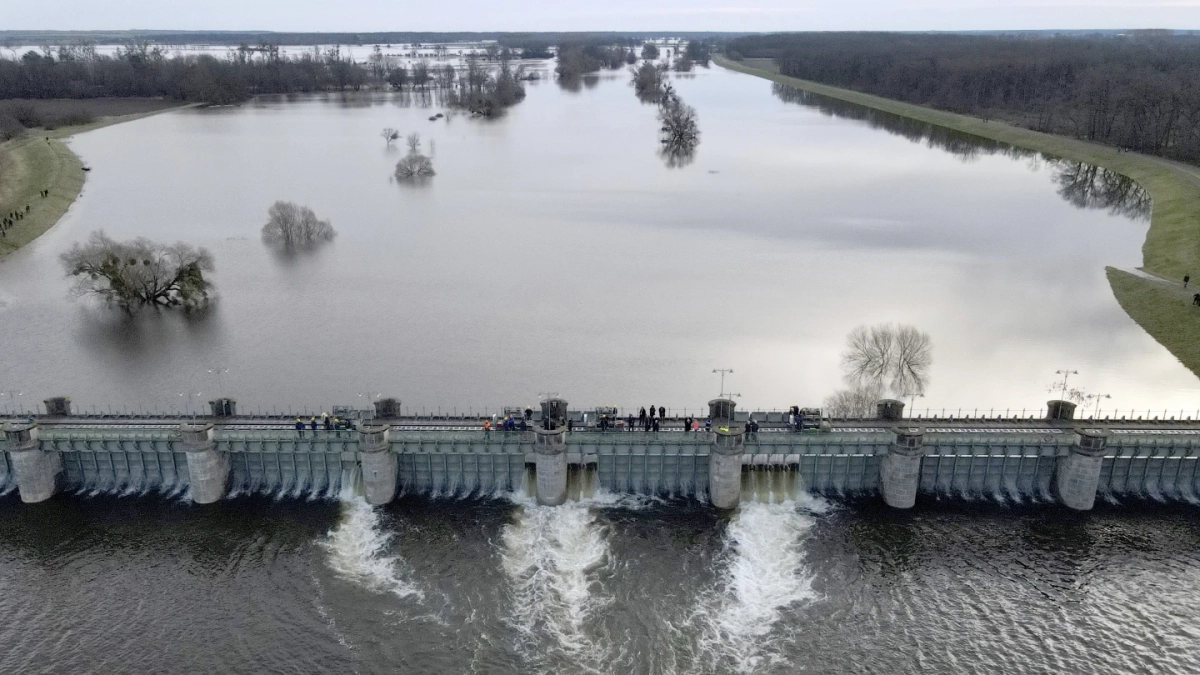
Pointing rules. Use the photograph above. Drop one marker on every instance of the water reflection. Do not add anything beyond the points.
(1083, 185)
(1092, 187)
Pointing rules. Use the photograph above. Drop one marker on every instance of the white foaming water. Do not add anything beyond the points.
(356, 547)
(765, 574)
(549, 554)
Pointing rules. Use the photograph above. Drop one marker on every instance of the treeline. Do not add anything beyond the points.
(233, 38)
(580, 57)
(1136, 92)
(147, 71)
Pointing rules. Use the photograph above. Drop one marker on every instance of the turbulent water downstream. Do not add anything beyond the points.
(604, 585)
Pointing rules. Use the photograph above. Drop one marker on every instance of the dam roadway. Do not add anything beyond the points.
(565, 455)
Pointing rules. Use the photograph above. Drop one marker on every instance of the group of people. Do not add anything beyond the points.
(327, 421)
(510, 423)
(11, 219)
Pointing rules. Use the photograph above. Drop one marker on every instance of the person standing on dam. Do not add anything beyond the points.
(299, 428)
(662, 413)
(629, 423)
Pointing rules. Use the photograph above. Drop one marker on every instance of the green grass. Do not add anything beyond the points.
(28, 166)
(31, 164)
(1172, 246)
(1165, 311)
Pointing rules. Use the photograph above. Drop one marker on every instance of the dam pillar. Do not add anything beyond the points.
(550, 453)
(900, 471)
(380, 465)
(890, 409)
(36, 471)
(726, 445)
(1059, 411)
(1077, 474)
(208, 469)
(58, 406)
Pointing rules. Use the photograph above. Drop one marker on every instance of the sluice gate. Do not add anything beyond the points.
(1012, 464)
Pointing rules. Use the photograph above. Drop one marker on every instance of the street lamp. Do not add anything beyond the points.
(1066, 375)
(723, 372)
(218, 372)
(1098, 397)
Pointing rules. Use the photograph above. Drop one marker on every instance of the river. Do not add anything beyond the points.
(609, 585)
(555, 251)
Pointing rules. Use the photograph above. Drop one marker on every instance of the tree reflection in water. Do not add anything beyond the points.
(1080, 184)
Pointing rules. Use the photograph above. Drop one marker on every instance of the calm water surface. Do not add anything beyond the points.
(94, 585)
(555, 251)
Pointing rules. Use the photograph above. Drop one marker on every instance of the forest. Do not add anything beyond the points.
(144, 70)
(1135, 91)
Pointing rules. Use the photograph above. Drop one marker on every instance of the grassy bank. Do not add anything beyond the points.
(41, 161)
(1165, 310)
(1172, 246)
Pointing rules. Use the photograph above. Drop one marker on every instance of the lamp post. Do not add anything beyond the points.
(1066, 374)
(723, 372)
(1098, 397)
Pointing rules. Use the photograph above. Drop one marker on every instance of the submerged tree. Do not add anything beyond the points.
(292, 224)
(130, 274)
(649, 51)
(679, 133)
(389, 135)
(414, 164)
(648, 82)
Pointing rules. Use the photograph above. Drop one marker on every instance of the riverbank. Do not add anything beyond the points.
(42, 161)
(1172, 246)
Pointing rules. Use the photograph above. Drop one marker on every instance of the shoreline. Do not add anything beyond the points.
(37, 164)
(1172, 245)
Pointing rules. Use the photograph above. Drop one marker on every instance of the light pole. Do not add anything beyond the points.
(220, 385)
(187, 402)
(1098, 397)
(723, 372)
(1066, 374)
(12, 398)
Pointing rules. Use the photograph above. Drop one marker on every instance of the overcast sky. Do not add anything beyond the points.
(535, 15)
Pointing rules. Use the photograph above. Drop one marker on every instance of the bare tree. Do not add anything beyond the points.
(130, 274)
(857, 401)
(292, 224)
(679, 133)
(913, 358)
(887, 358)
(389, 135)
(414, 164)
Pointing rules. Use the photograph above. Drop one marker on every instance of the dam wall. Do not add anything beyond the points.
(1009, 462)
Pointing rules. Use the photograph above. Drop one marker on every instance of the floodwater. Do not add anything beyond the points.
(556, 251)
(603, 586)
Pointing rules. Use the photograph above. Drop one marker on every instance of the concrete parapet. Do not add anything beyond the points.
(1077, 474)
(37, 472)
(900, 470)
(726, 445)
(208, 469)
(550, 458)
(379, 464)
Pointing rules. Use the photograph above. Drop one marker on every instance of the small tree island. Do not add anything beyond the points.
(293, 225)
(414, 165)
(131, 274)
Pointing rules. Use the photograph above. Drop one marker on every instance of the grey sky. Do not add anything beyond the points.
(533, 15)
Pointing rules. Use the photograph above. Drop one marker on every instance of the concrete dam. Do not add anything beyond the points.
(564, 454)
